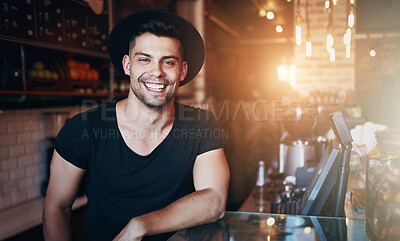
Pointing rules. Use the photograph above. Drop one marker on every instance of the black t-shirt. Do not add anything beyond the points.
(122, 184)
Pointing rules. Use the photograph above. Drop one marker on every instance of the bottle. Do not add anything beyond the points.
(382, 211)
(259, 193)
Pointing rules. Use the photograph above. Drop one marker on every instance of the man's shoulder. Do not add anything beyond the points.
(96, 114)
(191, 113)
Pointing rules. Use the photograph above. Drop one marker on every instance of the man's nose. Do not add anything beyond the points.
(156, 70)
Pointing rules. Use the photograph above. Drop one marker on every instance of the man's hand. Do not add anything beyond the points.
(133, 231)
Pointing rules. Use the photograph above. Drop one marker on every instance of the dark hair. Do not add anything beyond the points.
(158, 28)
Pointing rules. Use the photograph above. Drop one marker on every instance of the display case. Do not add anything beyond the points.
(55, 53)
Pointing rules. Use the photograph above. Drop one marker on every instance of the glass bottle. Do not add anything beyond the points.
(260, 190)
(383, 187)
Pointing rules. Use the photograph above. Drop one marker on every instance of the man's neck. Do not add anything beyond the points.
(143, 117)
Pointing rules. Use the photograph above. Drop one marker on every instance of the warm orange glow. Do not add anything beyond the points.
(282, 73)
(352, 1)
(292, 76)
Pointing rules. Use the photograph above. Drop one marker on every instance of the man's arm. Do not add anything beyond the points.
(61, 191)
(207, 204)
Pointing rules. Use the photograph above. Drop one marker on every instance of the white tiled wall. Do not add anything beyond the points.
(23, 145)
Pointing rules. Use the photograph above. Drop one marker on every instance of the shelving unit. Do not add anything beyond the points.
(52, 33)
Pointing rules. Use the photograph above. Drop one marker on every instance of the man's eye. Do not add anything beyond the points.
(169, 62)
(144, 60)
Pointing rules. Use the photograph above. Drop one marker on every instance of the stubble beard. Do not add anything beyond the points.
(154, 104)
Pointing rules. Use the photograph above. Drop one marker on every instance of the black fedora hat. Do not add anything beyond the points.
(190, 38)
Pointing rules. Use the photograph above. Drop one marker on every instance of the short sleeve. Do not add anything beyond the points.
(211, 134)
(73, 142)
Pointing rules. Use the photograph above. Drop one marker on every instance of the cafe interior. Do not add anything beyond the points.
(304, 93)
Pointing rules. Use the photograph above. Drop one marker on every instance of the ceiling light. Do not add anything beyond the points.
(308, 48)
(262, 13)
(270, 15)
(332, 56)
(279, 29)
(327, 4)
(348, 51)
(298, 35)
(350, 20)
(372, 53)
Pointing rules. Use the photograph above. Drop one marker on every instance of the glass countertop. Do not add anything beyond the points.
(243, 226)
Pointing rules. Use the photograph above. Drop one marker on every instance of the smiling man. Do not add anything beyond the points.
(150, 178)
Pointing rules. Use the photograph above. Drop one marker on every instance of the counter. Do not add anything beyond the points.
(241, 226)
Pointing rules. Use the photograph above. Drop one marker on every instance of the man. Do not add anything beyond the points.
(153, 165)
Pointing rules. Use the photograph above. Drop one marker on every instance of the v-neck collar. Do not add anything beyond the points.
(157, 148)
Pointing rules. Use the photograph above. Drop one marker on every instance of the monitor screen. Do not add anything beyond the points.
(322, 182)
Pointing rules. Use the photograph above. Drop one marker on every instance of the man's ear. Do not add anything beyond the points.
(126, 64)
(184, 69)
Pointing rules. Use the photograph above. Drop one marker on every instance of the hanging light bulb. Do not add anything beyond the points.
(308, 48)
(350, 19)
(327, 4)
(348, 51)
(298, 35)
(372, 53)
(262, 13)
(298, 26)
(329, 42)
(347, 37)
(335, 2)
(332, 56)
(279, 28)
(270, 15)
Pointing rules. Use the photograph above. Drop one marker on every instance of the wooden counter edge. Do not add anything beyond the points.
(25, 216)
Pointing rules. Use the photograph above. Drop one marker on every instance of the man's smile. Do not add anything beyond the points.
(155, 86)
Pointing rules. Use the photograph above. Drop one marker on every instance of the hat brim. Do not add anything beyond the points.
(191, 40)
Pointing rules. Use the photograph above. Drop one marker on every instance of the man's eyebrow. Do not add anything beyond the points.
(145, 54)
(170, 57)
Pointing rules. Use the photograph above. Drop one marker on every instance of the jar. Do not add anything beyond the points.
(383, 187)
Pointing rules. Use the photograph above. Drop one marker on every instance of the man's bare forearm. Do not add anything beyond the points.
(197, 208)
(56, 224)
(194, 209)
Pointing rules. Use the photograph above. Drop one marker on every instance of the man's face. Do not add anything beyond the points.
(156, 68)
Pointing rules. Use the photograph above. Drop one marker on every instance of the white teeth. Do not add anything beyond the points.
(155, 87)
